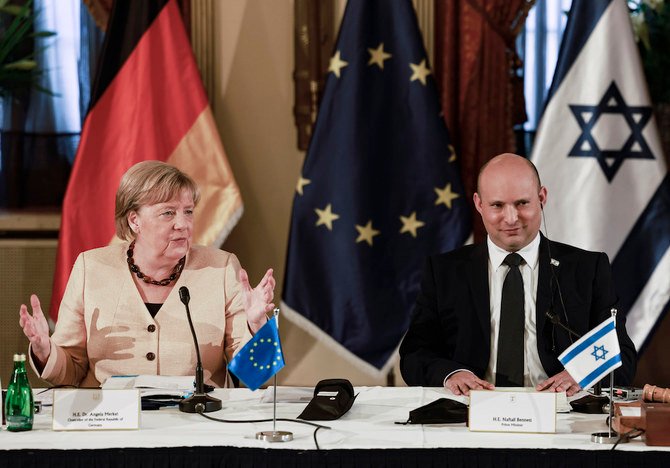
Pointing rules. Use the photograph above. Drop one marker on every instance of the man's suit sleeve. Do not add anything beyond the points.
(429, 343)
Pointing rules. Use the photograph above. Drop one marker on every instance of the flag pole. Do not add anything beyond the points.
(609, 437)
(274, 435)
(274, 403)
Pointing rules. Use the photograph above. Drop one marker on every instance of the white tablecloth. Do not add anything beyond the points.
(369, 424)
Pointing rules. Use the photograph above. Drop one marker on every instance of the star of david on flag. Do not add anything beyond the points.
(260, 358)
(593, 356)
(599, 352)
(635, 118)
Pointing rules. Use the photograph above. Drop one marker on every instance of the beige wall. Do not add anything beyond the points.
(253, 102)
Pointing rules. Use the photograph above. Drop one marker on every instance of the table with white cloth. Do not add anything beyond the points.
(366, 436)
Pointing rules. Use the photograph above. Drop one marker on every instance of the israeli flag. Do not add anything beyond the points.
(594, 356)
(599, 154)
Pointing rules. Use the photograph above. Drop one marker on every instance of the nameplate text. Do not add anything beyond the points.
(95, 409)
(512, 411)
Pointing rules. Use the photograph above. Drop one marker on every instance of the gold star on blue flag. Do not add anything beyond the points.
(363, 226)
(260, 358)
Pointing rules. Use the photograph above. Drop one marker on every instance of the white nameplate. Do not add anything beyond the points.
(512, 411)
(96, 409)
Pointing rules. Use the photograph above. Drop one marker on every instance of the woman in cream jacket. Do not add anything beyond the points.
(121, 312)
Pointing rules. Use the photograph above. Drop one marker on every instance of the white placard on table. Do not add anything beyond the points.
(512, 411)
(96, 409)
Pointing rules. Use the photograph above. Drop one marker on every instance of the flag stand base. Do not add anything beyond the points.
(606, 438)
(275, 436)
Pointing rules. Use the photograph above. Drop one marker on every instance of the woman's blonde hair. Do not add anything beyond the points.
(148, 183)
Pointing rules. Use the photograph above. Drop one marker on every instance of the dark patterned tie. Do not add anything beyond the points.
(509, 367)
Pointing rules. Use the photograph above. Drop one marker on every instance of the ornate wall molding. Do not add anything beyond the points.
(204, 44)
(313, 43)
(425, 14)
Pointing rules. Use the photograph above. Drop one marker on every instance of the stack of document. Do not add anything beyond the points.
(152, 384)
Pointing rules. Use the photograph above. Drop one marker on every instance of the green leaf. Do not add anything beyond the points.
(44, 34)
(23, 64)
(14, 10)
(19, 71)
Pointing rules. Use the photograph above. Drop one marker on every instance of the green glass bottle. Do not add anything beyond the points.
(19, 410)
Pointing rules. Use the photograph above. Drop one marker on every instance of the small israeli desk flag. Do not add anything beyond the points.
(594, 356)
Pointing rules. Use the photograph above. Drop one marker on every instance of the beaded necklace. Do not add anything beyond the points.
(176, 271)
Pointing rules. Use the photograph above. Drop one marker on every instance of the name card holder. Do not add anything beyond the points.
(512, 411)
(96, 409)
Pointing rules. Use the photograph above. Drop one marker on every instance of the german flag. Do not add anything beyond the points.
(148, 102)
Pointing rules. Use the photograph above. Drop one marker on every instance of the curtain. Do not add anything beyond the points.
(40, 131)
(477, 70)
(101, 9)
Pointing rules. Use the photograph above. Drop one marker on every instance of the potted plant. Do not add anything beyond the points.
(18, 69)
(19, 73)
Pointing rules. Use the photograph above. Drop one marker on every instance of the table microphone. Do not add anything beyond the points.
(199, 402)
(556, 320)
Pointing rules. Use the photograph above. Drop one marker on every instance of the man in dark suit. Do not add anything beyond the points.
(475, 325)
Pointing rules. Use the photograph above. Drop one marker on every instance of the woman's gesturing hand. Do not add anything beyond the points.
(257, 301)
(36, 329)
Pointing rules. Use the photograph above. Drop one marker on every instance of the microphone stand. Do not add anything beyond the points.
(199, 402)
(556, 320)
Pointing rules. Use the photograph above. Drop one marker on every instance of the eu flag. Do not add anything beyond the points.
(260, 358)
(378, 192)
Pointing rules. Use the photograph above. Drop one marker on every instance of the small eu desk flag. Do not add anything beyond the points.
(594, 356)
(379, 191)
(260, 358)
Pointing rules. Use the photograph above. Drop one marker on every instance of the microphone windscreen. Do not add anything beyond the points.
(553, 318)
(184, 295)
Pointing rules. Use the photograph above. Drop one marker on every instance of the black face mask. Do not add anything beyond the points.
(440, 411)
(332, 399)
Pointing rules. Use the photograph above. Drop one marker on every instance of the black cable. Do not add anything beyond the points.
(314, 435)
(245, 421)
(317, 426)
(47, 405)
(554, 279)
(628, 435)
(63, 386)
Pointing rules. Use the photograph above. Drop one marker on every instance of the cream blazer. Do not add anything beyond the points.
(105, 329)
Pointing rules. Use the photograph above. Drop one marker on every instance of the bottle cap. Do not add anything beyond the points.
(19, 357)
